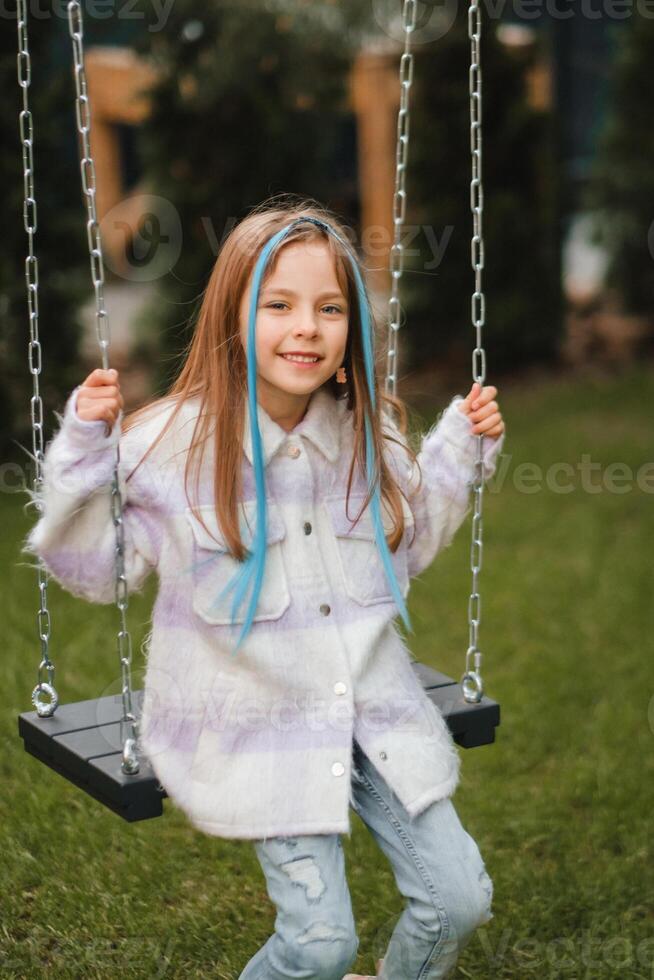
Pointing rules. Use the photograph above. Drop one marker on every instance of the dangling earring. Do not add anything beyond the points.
(341, 376)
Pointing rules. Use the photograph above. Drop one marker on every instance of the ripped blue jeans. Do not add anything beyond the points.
(438, 869)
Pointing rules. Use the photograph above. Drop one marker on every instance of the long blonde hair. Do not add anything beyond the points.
(215, 369)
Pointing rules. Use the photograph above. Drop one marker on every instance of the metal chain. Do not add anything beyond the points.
(130, 764)
(409, 9)
(44, 707)
(471, 680)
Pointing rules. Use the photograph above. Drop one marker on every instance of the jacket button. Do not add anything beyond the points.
(307, 527)
(338, 769)
(340, 687)
(382, 755)
(325, 609)
(293, 451)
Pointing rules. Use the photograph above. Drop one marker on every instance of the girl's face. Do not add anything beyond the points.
(301, 310)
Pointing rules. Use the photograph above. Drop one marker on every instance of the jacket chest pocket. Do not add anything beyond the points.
(213, 567)
(361, 565)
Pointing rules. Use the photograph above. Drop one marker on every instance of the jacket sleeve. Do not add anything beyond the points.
(443, 500)
(75, 536)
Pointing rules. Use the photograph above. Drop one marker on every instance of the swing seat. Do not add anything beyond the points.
(81, 742)
(471, 724)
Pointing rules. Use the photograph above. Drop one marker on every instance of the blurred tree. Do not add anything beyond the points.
(521, 274)
(60, 238)
(621, 188)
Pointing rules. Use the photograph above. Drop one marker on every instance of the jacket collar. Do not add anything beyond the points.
(321, 425)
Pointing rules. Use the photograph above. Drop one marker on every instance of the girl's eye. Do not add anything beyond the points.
(328, 307)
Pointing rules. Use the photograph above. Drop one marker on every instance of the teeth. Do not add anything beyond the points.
(302, 360)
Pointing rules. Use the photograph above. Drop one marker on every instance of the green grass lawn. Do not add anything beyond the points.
(560, 804)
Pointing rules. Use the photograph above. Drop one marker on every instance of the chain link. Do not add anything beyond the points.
(409, 10)
(471, 680)
(44, 696)
(129, 725)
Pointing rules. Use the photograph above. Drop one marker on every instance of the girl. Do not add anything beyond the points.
(266, 716)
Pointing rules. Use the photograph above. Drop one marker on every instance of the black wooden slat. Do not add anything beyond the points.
(429, 677)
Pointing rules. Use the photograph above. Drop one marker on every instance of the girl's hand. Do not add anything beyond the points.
(483, 411)
(100, 398)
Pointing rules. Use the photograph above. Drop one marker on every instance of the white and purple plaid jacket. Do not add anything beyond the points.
(259, 744)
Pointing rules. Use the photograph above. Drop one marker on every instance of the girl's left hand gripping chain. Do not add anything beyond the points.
(480, 405)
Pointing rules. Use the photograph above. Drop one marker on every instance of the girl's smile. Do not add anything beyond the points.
(301, 361)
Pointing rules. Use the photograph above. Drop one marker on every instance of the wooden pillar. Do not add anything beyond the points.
(117, 79)
(375, 94)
